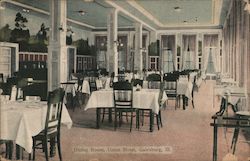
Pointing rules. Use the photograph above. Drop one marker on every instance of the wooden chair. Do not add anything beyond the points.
(51, 132)
(21, 83)
(9, 148)
(123, 101)
(136, 82)
(7, 89)
(170, 87)
(154, 81)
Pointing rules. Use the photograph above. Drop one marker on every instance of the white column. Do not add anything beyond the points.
(138, 48)
(57, 53)
(2, 8)
(153, 36)
(112, 42)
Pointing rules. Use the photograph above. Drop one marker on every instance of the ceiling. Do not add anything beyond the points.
(153, 14)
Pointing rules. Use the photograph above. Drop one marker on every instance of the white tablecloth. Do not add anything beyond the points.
(85, 87)
(143, 99)
(70, 88)
(232, 93)
(22, 120)
(185, 87)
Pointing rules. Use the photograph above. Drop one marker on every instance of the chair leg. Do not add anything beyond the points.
(131, 122)
(115, 123)
(103, 114)
(137, 119)
(59, 147)
(46, 149)
(235, 139)
(120, 119)
(9, 149)
(176, 102)
(160, 118)
(34, 150)
(157, 121)
(142, 117)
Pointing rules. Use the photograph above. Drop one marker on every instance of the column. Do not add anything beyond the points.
(2, 8)
(138, 48)
(57, 53)
(153, 36)
(112, 42)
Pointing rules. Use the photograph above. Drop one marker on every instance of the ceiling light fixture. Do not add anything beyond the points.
(177, 9)
(81, 12)
(26, 10)
(185, 22)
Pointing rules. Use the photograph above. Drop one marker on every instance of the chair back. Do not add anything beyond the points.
(79, 84)
(154, 81)
(170, 87)
(54, 111)
(161, 94)
(92, 83)
(123, 94)
(1, 78)
(7, 89)
(136, 82)
(22, 82)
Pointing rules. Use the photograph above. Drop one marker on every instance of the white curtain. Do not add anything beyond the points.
(185, 47)
(206, 55)
(215, 59)
(168, 53)
(189, 48)
(211, 55)
(168, 64)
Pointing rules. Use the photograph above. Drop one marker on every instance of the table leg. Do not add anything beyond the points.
(215, 143)
(19, 152)
(98, 113)
(183, 102)
(151, 121)
(110, 115)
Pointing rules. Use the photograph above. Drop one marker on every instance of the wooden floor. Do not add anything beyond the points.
(186, 136)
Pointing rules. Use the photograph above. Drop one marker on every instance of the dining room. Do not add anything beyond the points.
(97, 80)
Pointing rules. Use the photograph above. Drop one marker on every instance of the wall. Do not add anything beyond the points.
(35, 20)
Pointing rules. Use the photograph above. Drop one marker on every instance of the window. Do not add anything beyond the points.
(154, 62)
(178, 57)
(199, 54)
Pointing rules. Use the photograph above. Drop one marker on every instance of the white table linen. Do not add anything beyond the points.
(85, 87)
(184, 87)
(70, 88)
(232, 93)
(143, 99)
(22, 120)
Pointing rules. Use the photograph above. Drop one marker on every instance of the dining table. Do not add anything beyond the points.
(184, 89)
(21, 120)
(142, 99)
(232, 94)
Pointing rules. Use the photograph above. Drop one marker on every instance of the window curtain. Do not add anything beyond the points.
(168, 53)
(211, 55)
(189, 45)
